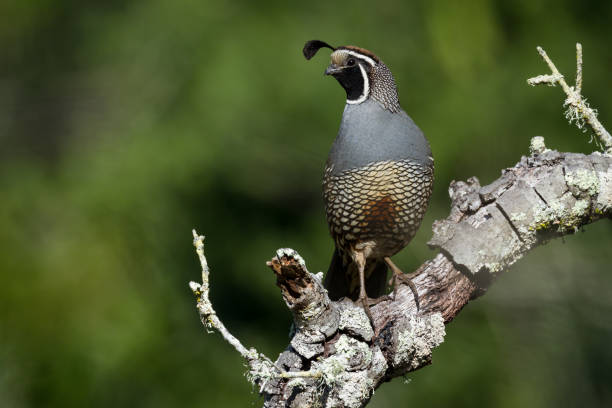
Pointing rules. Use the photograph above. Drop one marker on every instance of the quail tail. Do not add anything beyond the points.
(342, 280)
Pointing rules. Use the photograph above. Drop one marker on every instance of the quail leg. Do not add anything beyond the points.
(398, 277)
(360, 260)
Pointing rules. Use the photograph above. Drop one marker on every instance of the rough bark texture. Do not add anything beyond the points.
(337, 357)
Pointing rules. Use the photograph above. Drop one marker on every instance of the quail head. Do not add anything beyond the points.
(378, 177)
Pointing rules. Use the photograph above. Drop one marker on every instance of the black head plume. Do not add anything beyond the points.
(312, 46)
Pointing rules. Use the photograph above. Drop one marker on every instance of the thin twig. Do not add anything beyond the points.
(556, 75)
(578, 110)
(578, 68)
(207, 313)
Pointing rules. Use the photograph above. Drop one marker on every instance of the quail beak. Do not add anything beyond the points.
(332, 69)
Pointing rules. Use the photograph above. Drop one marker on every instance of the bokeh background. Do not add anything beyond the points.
(124, 126)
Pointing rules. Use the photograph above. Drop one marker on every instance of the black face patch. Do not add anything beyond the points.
(352, 80)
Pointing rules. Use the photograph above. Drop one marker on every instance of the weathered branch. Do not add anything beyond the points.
(337, 359)
(207, 313)
(578, 110)
(261, 368)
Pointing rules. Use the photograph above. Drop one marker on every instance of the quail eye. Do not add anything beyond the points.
(350, 62)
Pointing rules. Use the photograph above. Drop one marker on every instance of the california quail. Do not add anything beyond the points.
(378, 176)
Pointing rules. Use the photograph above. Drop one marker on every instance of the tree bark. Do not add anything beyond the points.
(338, 359)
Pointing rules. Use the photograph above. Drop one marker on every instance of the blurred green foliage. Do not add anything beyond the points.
(124, 125)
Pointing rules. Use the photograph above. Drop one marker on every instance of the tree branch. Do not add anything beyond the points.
(334, 357)
(578, 110)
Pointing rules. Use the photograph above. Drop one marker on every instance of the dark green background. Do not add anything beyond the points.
(123, 126)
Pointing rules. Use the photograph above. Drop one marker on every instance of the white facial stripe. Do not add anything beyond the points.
(366, 88)
(361, 56)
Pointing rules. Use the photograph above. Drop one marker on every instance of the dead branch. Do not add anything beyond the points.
(578, 110)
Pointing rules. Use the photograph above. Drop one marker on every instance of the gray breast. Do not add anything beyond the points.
(369, 133)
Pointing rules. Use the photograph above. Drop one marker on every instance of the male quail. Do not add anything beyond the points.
(378, 177)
